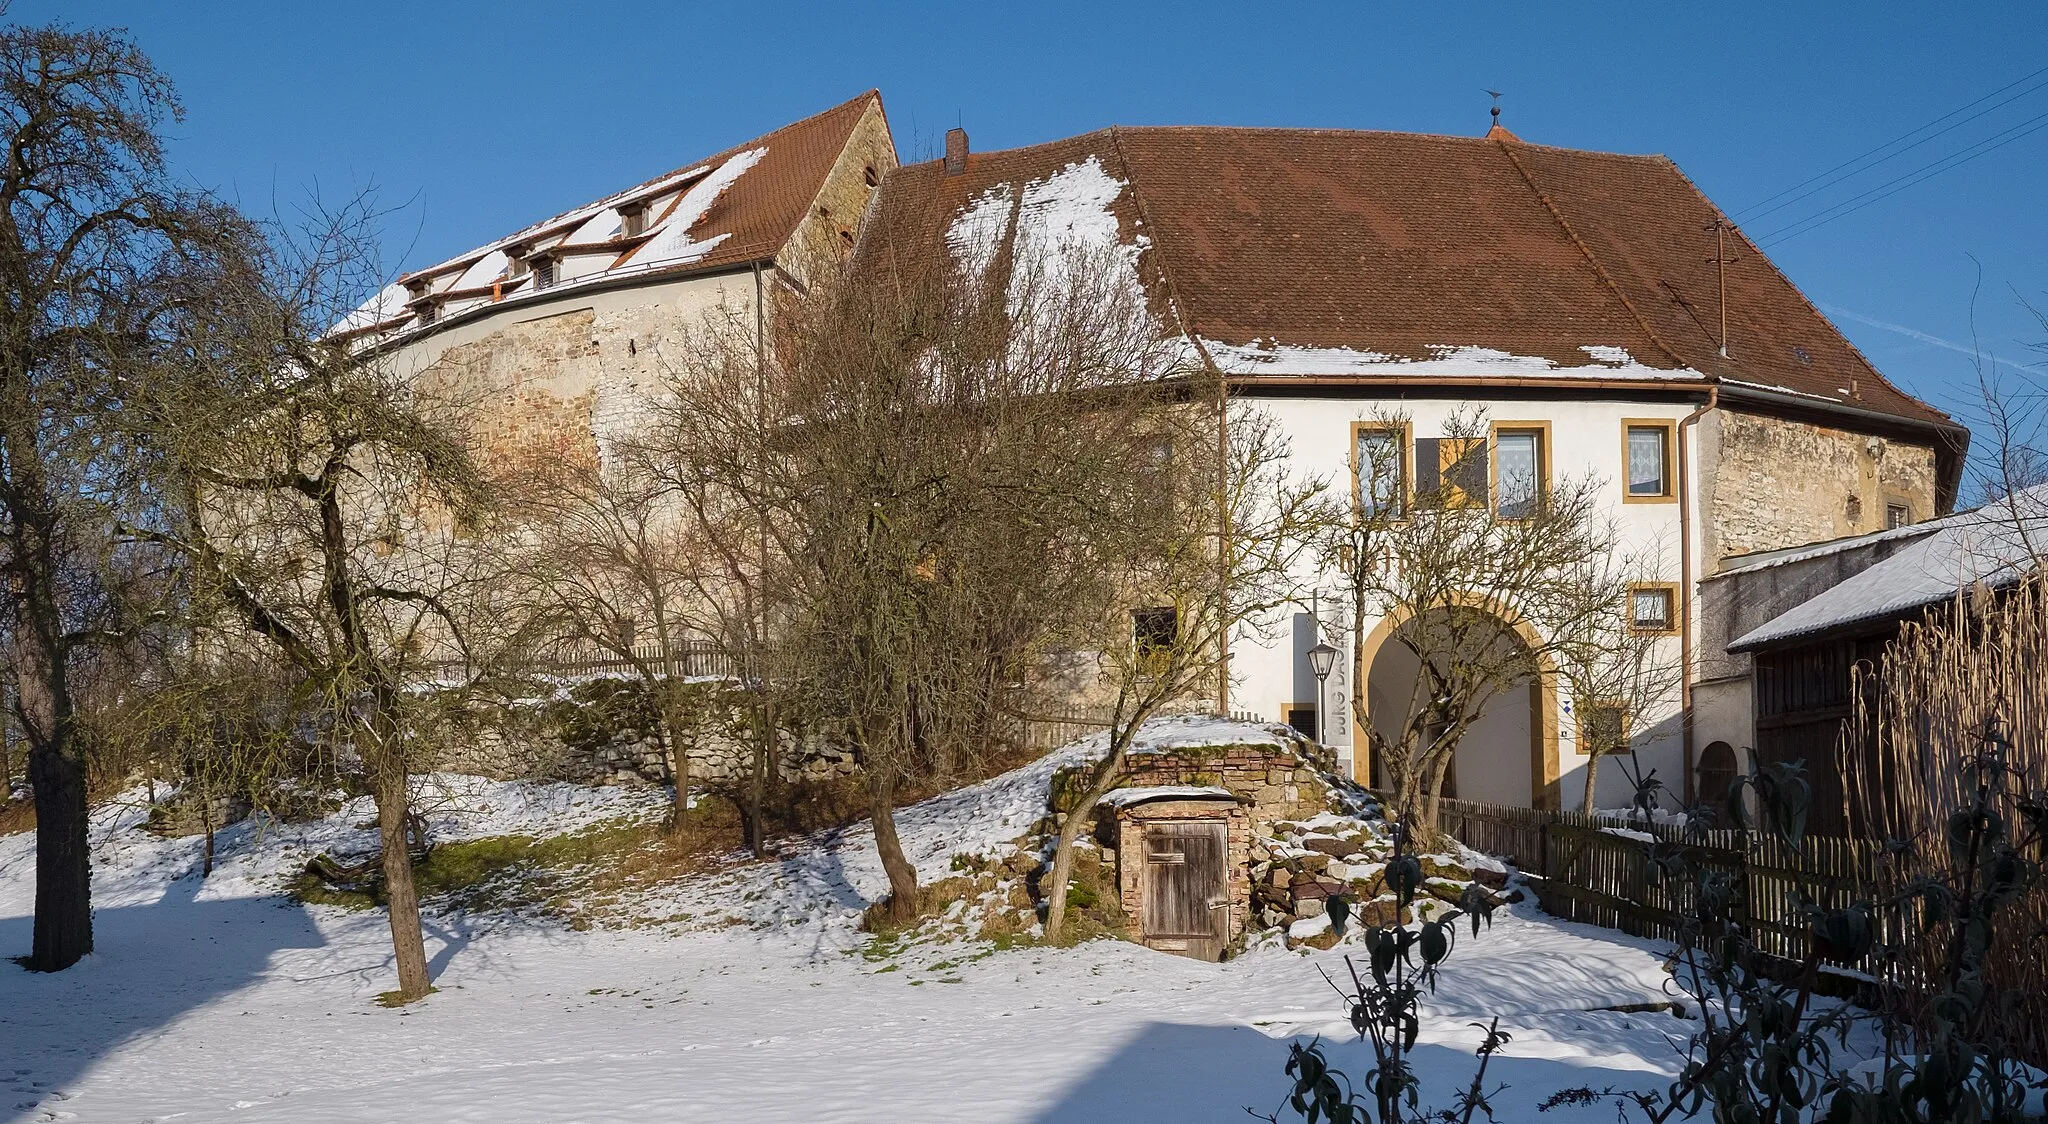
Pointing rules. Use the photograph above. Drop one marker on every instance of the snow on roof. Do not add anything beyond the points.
(1202, 731)
(694, 220)
(1064, 221)
(1994, 545)
(672, 243)
(1143, 794)
(1766, 559)
(1263, 357)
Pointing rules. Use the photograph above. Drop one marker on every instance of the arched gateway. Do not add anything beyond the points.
(1510, 754)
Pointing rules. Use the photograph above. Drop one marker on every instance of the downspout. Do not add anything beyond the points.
(1685, 583)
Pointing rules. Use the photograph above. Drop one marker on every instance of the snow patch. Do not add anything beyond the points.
(1268, 357)
(1142, 794)
(672, 242)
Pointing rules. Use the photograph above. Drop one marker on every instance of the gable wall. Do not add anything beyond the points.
(816, 249)
(1769, 483)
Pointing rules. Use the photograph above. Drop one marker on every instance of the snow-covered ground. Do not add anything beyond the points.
(757, 1000)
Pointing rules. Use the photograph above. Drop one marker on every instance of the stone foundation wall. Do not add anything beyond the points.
(1278, 784)
(603, 732)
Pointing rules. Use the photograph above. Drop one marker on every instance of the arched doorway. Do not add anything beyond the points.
(1509, 753)
(1717, 771)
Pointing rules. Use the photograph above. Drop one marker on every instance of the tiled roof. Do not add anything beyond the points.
(1303, 252)
(736, 206)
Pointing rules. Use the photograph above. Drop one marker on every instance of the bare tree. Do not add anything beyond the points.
(936, 465)
(1492, 583)
(1616, 673)
(97, 251)
(334, 512)
(1213, 564)
(611, 553)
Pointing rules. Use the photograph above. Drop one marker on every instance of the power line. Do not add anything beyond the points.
(1895, 140)
(1925, 172)
(1753, 214)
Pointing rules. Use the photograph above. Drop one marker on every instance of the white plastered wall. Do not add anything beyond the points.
(1269, 674)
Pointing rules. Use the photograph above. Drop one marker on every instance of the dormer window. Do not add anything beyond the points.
(543, 271)
(632, 219)
(429, 310)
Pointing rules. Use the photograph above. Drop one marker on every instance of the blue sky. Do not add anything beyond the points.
(481, 117)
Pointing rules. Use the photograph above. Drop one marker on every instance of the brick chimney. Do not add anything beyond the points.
(956, 151)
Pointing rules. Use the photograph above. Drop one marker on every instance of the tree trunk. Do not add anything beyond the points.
(1592, 780)
(400, 894)
(677, 757)
(902, 876)
(757, 784)
(1054, 887)
(63, 923)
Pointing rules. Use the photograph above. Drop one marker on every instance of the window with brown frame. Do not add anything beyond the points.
(1603, 727)
(1647, 460)
(1379, 468)
(1653, 608)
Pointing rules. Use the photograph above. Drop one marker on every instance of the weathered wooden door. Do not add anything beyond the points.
(1187, 888)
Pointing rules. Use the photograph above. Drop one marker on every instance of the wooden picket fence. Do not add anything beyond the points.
(1603, 870)
(690, 658)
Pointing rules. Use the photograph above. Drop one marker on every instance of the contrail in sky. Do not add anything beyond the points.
(1917, 334)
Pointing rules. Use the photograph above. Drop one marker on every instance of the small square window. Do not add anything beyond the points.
(1650, 608)
(1897, 515)
(1603, 727)
(1154, 632)
(1649, 461)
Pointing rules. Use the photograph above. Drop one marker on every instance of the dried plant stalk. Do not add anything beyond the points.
(1919, 716)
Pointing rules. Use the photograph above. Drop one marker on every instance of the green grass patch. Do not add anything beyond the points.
(501, 872)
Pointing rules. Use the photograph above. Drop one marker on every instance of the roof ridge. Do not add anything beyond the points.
(1297, 130)
(1592, 260)
(1411, 135)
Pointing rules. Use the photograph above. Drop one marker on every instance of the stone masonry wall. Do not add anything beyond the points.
(603, 733)
(1772, 483)
(821, 243)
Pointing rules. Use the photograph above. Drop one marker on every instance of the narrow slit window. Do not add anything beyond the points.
(1649, 461)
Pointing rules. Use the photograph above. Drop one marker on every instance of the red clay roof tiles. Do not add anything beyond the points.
(1404, 245)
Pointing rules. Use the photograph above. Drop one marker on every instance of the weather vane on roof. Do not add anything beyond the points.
(1495, 95)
